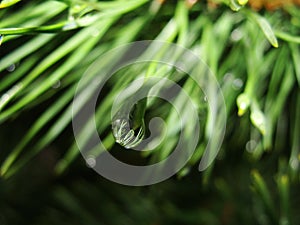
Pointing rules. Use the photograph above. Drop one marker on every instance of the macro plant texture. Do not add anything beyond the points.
(251, 49)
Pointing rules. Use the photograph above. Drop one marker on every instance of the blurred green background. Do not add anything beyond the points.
(48, 45)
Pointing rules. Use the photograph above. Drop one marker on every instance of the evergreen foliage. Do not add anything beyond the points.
(46, 46)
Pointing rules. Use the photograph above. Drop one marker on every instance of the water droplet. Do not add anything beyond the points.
(237, 84)
(1, 39)
(205, 98)
(91, 162)
(126, 136)
(227, 77)
(251, 145)
(11, 68)
(236, 35)
(56, 85)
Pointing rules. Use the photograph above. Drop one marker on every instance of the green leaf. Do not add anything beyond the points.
(265, 26)
(7, 3)
(263, 191)
(243, 102)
